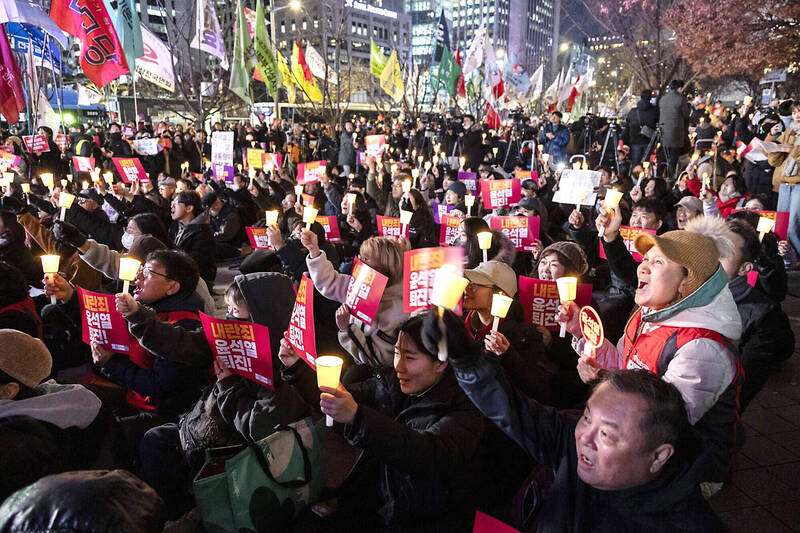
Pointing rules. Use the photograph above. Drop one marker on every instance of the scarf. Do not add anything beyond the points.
(790, 166)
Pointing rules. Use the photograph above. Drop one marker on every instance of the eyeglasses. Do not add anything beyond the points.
(147, 272)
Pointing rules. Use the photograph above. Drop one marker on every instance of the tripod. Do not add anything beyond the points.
(613, 136)
(655, 142)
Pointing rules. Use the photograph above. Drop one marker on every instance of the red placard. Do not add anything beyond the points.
(591, 326)
(270, 161)
(419, 269)
(391, 227)
(376, 144)
(781, 219)
(101, 322)
(629, 235)
(487, 524)
(752, 278)
(36, 143)
(62, 141)
(83, 164)
(523, 231)
(331, 227)
(364, 292)
(470, 179)
(165, 142)
(527, 175)
(540, 301)
(258, 238)
(242, 347)
(310, 172)
(301, 325)
(448, 231)
(500, 193)
(130, 169)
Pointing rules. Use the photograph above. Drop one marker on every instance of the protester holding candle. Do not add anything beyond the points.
(422, 229)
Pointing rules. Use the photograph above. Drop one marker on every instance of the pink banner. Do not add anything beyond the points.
(375, 144)
(62, 141)
(540, 301)
(628, 235)
(523, 231)
(391, 227)
(364, 292)
(487, 524)
(130, 169)
(270, 161)
(8, 160)
(36, 143)
(101, 322)
(258, 238)
(331, 227)
(242, 347)
(419, 270)
(83, 164)
(301, 324)
(448, 231)
(500, 193)
(310, 172)
(781, 219)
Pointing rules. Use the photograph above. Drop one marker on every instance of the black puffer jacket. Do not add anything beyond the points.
(643, 114)
(197, 239)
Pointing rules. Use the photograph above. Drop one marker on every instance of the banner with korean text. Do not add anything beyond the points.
(130, 169)
(500, 193)
(629, 235)
(391, 227)
(448, 231)
(301, 324)
(101, 322)
(331, 227)
(470, 180)
(364, 291)
(523, 231)
(36, 143)
(258, 238)
(83, 164)
(539, 299)
(310, 172)
(419, 270)
(241, 347)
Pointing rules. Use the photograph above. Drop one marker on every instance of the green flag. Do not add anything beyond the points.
(449, 71)
(242, 63)
(126, 23)
(376, 59)
(264, 58)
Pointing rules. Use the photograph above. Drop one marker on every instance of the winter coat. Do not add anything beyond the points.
(776, 159)
(644, 114)
(671, 502)
(227, 225)
(557, 146)
(196, 239)
(347, 154)
(674, 112)
(96, 227)
(373, 345)
(472, 148)
(717, 207)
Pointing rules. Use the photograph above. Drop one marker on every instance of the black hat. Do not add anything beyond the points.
(209, 199)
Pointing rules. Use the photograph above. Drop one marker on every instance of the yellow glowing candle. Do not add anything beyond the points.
(47, 179)
(462, 160)
(585, 165)
(65, 200)
(545, 158)
(469, 201)
(271, 218)
(26, 188)
(500, 305)
(448, 287)
(329, 370)
(309, 215)
(611, 201)
(485, 242)
(436, 160)
(298, 192)
(64, 184)
(427, 165)
(50, 267)
(406, 186)
(128, 269)
(495, 149)
(765, 225)
(393, 168)
(567, 290)
(405, 220)
(576, 165)
(84, 185)
(108, 177)
(351, 201)
(581, 198)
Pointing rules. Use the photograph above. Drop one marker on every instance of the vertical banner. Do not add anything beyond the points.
(523, 231)
(82, 164)
(419, 269)
(500, 193)
(449, 230)
(101, 322)
(310, 172)
(376, 144)
(301, 324)
(628, 235)
(130, 169)
(242, 347)
(258, 238)
(391, 227)
(439, 210)
(540, 301)
(364, 292)
(222, 147)
(331, 227)
(155, 65)
(470, 180)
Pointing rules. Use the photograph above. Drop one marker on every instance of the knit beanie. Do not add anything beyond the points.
(459, 188)
(571, 254)
(24, 358)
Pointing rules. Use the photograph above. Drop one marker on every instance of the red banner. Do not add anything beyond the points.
(470, 180)
(62, 141)
(500, 193)
(629, 235)
(364, 292)
(448, 231)
(83, 164)
(487, 524)
(540, 301)
(102, 57)
(527, 175)
(781, 219)
(36, 143)
(391, 227)
(130, 169)
(331, 227)
(419, 269)
(310, 172)
(258, 238)
(270, 161)
(101, 322)
(242, 347)
(375, 144)
(301, 324)
(523, 231)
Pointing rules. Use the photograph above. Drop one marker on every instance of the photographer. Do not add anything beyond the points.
(642, 122)
(471, 143)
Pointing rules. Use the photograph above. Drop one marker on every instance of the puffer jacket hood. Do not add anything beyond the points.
(270, 298)
(64, 406)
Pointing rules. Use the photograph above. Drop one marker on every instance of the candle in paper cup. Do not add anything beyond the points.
(50, 267)
(208, 164)
(484, 243)
(351, 201)
(611, 201)
(420, 159)
(703, 185)
(576, 165)
(128, 269)
(47, 179)
(84, 185)
(448, 288)
(393, 168)
(239, 166)
(271, 218)
(415, 173)
(65, 200)
(427, 165)
(309, 215)
(26, 188)
(545, 158)
(329, 370)
(469, 201)
(8, 177)
(435, 160)
(765, 225)
(462, 160)
(567, 290)
(500, 305)
(298, 191)
(646, 165)
(405, 219)
(407, 185)
(108, 177)
(585, 165)
(64, 184)
(581, 198)
(495, 149)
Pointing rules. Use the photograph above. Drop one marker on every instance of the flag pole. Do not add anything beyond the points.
(135, 99)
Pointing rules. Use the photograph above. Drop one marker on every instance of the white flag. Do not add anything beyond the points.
(86, 96)
(537, 82)
(551, 94)
(566, 87)
(155, 65)
(317, 65)
(475, 53)
(207, 35)
(493, 76)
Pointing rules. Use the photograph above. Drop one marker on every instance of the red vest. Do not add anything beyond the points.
(27, 307)
(144, 359)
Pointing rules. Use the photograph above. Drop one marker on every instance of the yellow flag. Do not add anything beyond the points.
(302, 75)
(286, 77)
(392, 78)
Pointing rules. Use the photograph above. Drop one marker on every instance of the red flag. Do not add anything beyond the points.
(573, 94)
(499, 89)
(492, 118)
(102, 57)
(461, 90)
(301, 59)
(12, 99)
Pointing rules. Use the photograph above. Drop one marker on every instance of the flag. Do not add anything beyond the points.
(377, 61)
(286, 77)
(492, 118)
(551, 94)
(102, 57)
(317, 65)
(128, 27)
(449, 71)
(155, 65)
(207, 35)
(242, 62)
(625, 96)
(493, 76)
(581, 84)
(302, 74)
(564, 88)
(460, 88)
(442, 38)
(86, 96)
(22, 35)
(474, 57)
(537, 80)
(264, 58)
(515, 76)
(12, 99)
(27, 11)
(392, 78)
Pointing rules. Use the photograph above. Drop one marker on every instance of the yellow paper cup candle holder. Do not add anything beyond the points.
(128, 269)
(329, 370)
(47, 180)
(765, 225)
(50, 267)
(26, 188)
(406, 184)
(581, 198)
(500, 305)
(309, 215)
(545, 158)
(351, 201)
(271, 218)
(567, 291)
(65, 201)
(469, 201)
(448, 288)
(484, 243)
(610, 202)
(108, 177)
(64, 184)
(84, 185)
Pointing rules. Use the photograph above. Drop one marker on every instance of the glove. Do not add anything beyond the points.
(460, 344)
(66, 232)
(42, 205)
(12, 205)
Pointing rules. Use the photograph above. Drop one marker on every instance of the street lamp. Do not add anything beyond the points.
(563, 47)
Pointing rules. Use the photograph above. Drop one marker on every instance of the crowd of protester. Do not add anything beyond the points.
(519, 423)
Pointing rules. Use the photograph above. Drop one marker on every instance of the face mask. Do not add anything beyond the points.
(127, 240)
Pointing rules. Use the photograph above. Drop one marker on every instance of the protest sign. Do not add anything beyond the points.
(36, 143)
(576, 183)
(62, 141)
(449, 230)
(419, 270)
(527, 175)
(364, 292)
(101, 322)
(271, 162)
(539, 299)
(781, 219)
(258, 238)
(255, 158)
(470, 180)
(629, 235)
(83, 164)
(130, 169)
(310, 172)
(591, 326)
(391, 227)
(331, 227)
(146, 146)
(439, 210)
(222, 147)
(165, 142)
(523, 231)
(301, 324)
(376, 144)
(488, 524)
(241, 347)
(221, 171)
(500, 193)
(8, 160)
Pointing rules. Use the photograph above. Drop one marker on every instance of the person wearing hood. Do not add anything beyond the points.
(644, 114)
(49, 161)
(115, 145)
(191, 233)
(44, 426)
(684, 330)
(226, 225)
